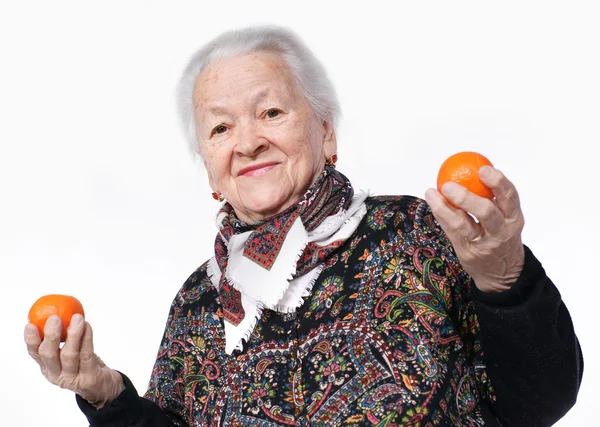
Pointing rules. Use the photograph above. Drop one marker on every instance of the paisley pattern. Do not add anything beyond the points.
(330, 193)
(388, 337)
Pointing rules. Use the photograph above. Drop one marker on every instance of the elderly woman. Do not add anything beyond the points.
(323, 305)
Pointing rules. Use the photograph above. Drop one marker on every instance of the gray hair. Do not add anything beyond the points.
(308, 72)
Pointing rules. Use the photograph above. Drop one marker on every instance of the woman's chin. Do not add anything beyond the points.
(266, 204)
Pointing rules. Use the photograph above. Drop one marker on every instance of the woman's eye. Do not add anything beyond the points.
(272, 113)
(218, 130)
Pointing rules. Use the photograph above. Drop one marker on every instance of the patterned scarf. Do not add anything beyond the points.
(278, 248)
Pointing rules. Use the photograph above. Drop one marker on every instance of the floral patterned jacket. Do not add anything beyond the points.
(394, 334)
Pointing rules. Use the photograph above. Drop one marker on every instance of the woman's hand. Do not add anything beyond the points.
(75, 366)
(491, 250)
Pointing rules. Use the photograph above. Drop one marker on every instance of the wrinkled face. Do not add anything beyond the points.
(261, 142)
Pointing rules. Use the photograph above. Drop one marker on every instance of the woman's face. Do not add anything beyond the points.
(262, 144)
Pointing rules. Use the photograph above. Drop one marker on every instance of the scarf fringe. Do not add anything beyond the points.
(332, 223)
(211, 273)
(329, 226)
(248, 332)
(287, 309)
(281, 292)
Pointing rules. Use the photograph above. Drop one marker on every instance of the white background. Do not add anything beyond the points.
(100, 199)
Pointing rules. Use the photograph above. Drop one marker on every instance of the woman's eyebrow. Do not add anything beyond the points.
(260, 96)
(218, 110)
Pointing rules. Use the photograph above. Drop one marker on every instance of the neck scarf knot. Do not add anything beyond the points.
(276, 249)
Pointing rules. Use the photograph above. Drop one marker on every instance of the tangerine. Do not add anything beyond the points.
(63, 305)
(463, 168)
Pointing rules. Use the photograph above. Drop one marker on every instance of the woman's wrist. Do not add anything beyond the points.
(114, 386)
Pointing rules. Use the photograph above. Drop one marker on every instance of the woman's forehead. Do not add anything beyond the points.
(254, 76)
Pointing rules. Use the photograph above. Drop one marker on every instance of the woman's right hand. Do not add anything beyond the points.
(75, 366)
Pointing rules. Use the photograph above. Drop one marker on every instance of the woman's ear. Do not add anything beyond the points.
(211, 181)
(329, 139)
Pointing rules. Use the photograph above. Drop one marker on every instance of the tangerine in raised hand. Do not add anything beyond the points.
(65, 306)
(463, 168)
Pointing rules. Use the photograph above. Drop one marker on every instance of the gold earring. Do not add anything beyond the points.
(218, 196)
(332, 160)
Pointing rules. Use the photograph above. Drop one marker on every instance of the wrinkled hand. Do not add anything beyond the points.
(75, 366)
(491, 250)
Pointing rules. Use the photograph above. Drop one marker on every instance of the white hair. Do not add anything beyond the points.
(308, 72)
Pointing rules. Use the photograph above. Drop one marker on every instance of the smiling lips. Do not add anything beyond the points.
(257, 170)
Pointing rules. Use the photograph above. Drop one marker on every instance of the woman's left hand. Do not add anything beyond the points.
(491, 250)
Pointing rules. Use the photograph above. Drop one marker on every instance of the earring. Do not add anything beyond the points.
(218, 196)
(332, 160)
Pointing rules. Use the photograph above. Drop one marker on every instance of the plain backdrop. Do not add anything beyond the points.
(100, 198)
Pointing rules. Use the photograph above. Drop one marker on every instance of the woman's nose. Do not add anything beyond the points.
(251, 142)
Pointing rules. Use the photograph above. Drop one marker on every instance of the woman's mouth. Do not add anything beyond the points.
(257, 170)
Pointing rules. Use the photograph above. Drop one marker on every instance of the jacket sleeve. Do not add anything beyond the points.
(522, 345)
(532, 354)
(128, 410)
(161, 406)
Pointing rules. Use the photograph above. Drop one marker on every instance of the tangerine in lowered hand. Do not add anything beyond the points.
(63, 305)
(463, 168)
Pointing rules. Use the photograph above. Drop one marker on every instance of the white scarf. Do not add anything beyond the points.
(283, 293)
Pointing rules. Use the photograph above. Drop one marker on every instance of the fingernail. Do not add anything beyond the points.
(53, 320)
(76, 320)
(30, 328)
(485, 171)
(449, 188)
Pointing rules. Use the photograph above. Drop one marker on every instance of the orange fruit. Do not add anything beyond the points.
(463, 168)
(63, 305)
